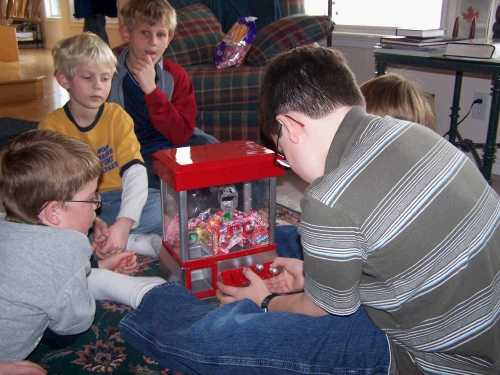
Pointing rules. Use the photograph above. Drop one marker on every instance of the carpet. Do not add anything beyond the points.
(12, 127)
(101, 349)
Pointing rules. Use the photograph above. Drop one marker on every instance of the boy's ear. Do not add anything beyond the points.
(62, 80)
(124, 33)
(170, 38)
(294, 129)
(50, 214)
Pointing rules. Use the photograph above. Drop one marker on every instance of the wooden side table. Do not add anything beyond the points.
(489, 67)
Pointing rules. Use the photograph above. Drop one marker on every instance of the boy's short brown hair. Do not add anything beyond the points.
(150, 11)
(82, 49)
(310, 79)
(40, 166)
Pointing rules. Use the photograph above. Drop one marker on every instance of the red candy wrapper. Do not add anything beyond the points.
(232, 49)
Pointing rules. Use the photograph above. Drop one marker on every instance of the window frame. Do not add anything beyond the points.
(48, 6)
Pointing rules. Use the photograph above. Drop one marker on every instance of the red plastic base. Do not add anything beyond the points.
(235, 277)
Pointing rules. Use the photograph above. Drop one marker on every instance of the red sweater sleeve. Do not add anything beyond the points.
(174, 118)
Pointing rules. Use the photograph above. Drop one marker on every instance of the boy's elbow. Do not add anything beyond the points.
(180, 140)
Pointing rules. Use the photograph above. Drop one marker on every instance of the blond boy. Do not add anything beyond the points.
(84, 65)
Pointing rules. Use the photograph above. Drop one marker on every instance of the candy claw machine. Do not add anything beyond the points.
(219, 213)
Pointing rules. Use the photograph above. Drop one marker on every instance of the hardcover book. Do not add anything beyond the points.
(416, 42)
(431, 52)
(474, 48)
(429, 33)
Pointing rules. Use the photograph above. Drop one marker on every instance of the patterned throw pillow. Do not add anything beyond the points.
(285, 34)
(197, 34)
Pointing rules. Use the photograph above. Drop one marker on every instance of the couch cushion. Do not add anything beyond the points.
(197, 34)
(285, 34)
(229, 126)
(266, 11)
(225, 89)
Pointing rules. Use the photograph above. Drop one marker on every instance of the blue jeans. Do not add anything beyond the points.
(198, 138)
(151, 220)
(185, 334)
(288, 242)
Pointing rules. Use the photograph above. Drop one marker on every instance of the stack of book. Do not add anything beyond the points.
(415, 42)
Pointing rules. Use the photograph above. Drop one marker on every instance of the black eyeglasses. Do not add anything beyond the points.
(282, 161)
(96, 199)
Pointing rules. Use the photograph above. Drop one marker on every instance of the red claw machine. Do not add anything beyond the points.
(219, 213)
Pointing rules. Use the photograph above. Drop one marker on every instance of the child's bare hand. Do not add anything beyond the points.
(21, 368)
(101, 232)
(121, 263)
(256, 291)
(144, 73)
(290, 280)
(117, 239)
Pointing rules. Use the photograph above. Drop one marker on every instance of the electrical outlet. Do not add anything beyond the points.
(479, 111)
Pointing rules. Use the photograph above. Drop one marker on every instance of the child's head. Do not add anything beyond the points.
(82, 50)
(41, 166)
(396, 96)
(151, 12)
(312, 80)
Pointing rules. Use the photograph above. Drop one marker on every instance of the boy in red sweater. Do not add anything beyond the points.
(155, 92)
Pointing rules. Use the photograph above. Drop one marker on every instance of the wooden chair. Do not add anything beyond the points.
(26, 15)
(23, 10)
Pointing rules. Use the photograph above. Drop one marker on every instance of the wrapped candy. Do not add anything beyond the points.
(232, 49)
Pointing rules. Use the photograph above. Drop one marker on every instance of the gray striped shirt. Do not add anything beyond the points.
(404, 223)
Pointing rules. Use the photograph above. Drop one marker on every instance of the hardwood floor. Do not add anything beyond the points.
(35, 62)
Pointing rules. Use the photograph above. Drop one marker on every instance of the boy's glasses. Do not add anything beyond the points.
(96, 199)
(282, 161)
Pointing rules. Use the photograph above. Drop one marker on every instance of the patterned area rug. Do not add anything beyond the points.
(101, 349)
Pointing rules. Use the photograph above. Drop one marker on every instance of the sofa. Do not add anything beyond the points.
(228, 98)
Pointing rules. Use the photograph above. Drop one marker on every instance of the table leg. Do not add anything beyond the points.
(455, 108)
(380, 67)
(489, 150)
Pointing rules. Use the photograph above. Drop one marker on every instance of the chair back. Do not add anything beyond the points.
(21, 10)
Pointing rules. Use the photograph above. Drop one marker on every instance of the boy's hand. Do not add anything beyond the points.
(256, 291)
(144, 73)
(290, 280)
(101, 232)
(21, 368)
(121, 263)
(117, 239)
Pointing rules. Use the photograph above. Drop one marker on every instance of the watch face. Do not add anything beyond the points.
(228, 198)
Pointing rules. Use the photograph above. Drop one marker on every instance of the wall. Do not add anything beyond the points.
(359, 53)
